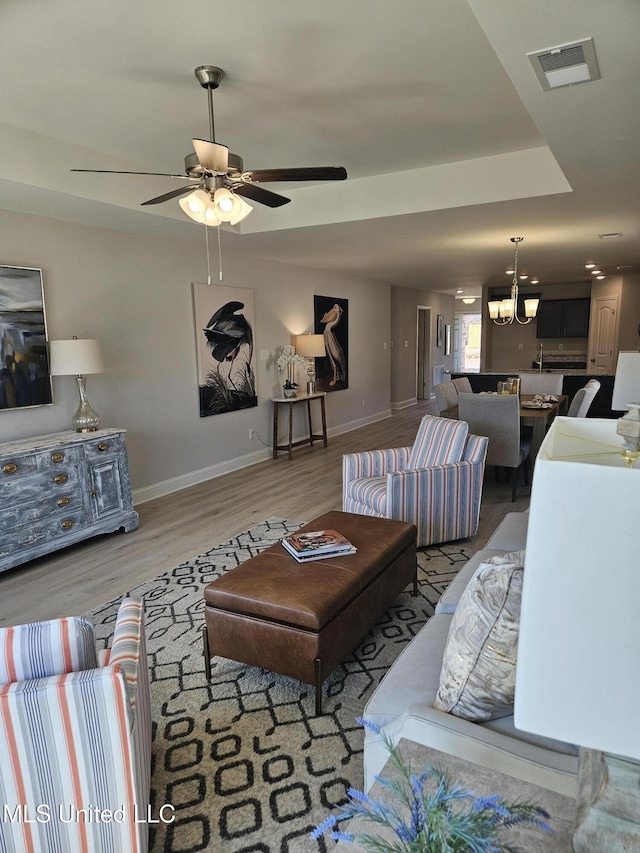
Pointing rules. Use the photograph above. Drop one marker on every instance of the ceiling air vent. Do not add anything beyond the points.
(566, 64)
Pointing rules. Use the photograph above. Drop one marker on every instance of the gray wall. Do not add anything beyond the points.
(133, 293)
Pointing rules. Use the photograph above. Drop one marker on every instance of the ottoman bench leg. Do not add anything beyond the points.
(318, 663)
(207, 653)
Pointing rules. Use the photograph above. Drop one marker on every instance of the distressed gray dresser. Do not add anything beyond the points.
(58, 489)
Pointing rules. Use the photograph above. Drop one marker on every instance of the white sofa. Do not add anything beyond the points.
(402, 704)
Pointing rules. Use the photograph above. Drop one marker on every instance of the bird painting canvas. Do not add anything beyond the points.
(332, 322)
(224, 322)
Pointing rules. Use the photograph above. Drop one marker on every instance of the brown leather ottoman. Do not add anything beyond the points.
(302, 620)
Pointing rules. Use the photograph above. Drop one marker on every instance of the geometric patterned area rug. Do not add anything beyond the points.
(244, 761)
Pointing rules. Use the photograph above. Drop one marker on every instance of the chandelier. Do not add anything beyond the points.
(505, 311)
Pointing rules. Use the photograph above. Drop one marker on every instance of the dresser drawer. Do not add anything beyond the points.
(17, 466)
(17, 515)
(53, 481)
(43, 531)
(108, 446)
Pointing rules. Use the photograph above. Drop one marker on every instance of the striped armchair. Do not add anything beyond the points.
(436, 484)
(75, 733)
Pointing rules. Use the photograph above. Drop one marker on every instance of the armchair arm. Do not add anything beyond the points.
(68, 745)
(443, 502)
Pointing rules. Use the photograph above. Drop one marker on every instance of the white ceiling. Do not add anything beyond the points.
(450, 143)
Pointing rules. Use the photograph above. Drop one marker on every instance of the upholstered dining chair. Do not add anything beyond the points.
(75, 733)
(463, 385)
(541, 383)
(583, 399)
(497, 416)
(435, 484)
(446, 395)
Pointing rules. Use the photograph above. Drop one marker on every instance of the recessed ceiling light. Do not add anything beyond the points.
(596, 272)
(524, 277)
(601, 276)
(509, 272)
(469, 301)
(611, 235)
(589, 266)
(535, 281)
(459, 290)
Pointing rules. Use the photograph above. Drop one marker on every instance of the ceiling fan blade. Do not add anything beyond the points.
(118, 172)
(173, 194)
(310, 173)
(211, 156)
(262, 196)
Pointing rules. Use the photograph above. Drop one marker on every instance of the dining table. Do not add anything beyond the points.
(537, 412)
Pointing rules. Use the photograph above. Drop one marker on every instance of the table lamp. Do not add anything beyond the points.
(77, 358)
(577, 677)
(626, 395)
(311, 347)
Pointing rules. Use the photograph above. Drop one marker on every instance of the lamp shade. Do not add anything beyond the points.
(76, 357)
(626, 386)
(577, 672)
(310, 346)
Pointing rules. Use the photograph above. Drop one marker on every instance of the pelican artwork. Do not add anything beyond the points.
(335, 352)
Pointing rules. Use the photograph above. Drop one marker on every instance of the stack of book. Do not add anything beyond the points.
(317, 545)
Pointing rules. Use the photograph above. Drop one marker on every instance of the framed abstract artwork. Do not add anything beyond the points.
(25, 378)
(331, 318)
(440, 330)
(447, 339)
(224, 323)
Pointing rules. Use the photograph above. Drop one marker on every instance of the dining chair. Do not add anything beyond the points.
(541, 383)
(497, 416)
(583, 399)
(463, 386)
(446, 395)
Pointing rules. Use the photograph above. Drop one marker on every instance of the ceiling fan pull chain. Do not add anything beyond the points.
(206, 237)
(219, 254)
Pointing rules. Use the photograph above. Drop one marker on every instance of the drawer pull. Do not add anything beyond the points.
(60, 478)
(10, 468)
(103, 446)
(63, 501)
(67, 524)
(57, 457)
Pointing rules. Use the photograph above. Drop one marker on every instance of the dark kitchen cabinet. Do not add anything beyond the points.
(563, 318)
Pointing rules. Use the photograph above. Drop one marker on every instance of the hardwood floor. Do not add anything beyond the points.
(180, 526)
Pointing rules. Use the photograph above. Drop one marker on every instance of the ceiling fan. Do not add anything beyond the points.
(217, 177)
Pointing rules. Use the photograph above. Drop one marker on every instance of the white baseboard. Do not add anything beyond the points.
(404, 404)
(184, 481)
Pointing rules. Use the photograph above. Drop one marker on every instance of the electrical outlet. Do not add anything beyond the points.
(252, 433)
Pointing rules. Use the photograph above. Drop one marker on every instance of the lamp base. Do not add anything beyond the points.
(85, 419)
(608, 804)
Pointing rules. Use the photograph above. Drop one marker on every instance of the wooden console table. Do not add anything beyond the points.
(291, 402)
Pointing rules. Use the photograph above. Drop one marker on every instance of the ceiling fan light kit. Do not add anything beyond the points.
(219, 182)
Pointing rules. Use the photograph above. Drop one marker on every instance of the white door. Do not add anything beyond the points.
(603, 332)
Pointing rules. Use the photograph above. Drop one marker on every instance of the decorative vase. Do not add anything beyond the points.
(289, 392)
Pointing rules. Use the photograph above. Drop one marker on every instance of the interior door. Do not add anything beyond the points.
(603, 334)
(423, 389)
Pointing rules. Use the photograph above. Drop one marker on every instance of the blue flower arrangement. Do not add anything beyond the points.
(423, 820)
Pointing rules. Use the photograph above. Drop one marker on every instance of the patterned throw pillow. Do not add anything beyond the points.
(477, 680)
